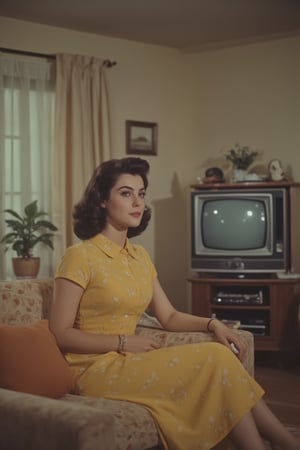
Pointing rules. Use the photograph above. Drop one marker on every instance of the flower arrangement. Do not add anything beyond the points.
(241, 157)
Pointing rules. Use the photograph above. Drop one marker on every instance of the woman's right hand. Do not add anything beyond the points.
(139, 344)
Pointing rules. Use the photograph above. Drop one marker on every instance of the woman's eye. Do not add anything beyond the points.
(129, 194)
(125, 193)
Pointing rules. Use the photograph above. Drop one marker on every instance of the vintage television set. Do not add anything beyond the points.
(241, 232)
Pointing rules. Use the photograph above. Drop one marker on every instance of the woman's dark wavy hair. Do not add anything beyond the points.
(89, 218)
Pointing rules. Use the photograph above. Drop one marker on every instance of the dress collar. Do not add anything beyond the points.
(110, 248)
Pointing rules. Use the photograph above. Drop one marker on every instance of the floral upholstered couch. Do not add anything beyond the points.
(69, 421)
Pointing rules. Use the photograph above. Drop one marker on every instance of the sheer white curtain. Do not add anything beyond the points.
(82, 135)
(26, 143)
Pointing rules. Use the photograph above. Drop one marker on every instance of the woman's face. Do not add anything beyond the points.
(126, 202)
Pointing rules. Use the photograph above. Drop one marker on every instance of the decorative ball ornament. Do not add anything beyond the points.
(214, 175)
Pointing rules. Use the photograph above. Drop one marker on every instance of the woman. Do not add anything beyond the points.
(199, 394)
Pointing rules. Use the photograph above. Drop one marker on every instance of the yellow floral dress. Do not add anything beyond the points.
(195, 392)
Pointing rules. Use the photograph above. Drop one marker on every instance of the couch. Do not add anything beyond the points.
(69, 421)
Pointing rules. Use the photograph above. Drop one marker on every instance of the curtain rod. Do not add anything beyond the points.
(106, 62)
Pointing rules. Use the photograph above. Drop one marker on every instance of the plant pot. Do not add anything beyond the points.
(26, 267)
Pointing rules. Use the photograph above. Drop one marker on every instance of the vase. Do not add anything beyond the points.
(239, 175)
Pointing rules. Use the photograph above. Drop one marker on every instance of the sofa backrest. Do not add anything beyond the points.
(25, 301)
(29, 300)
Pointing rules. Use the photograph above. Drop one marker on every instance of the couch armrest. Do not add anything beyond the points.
(170, 338)
(30, 421)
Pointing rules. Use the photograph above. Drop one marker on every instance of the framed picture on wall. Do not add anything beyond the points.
(141, 138)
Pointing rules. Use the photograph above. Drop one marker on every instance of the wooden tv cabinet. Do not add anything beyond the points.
(274, 321)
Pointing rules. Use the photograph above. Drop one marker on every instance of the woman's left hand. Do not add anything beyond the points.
(227, 336)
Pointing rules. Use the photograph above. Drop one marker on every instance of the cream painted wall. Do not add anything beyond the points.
(249, 95)
(203, 103)
(145, 85)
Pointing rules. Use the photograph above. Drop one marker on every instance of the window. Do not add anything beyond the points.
(27, 98)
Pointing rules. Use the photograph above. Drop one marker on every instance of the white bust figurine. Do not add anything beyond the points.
(276, 172)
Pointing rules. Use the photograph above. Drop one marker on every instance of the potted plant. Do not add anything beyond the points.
(241, 158)
(27, 231)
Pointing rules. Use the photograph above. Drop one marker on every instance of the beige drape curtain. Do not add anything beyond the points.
(81, 137)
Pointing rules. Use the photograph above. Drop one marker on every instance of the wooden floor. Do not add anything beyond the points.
(282, 385)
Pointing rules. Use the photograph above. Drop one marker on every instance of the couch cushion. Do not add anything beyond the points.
(21, 302)
(31, 422)
(30, 361)
(135, 428)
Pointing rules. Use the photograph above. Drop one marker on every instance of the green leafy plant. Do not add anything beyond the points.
(27, 231)
(241, 157)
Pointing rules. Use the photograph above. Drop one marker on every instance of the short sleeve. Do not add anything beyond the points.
(146, 259)
(74, 266)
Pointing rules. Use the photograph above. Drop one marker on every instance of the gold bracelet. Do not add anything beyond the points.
(208, 323)
(122, 343)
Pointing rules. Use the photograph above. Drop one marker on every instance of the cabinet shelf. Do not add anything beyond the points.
(241, 307)
(273, 323)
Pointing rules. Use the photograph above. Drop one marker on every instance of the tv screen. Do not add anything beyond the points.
(240, 231)
(233, 224)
